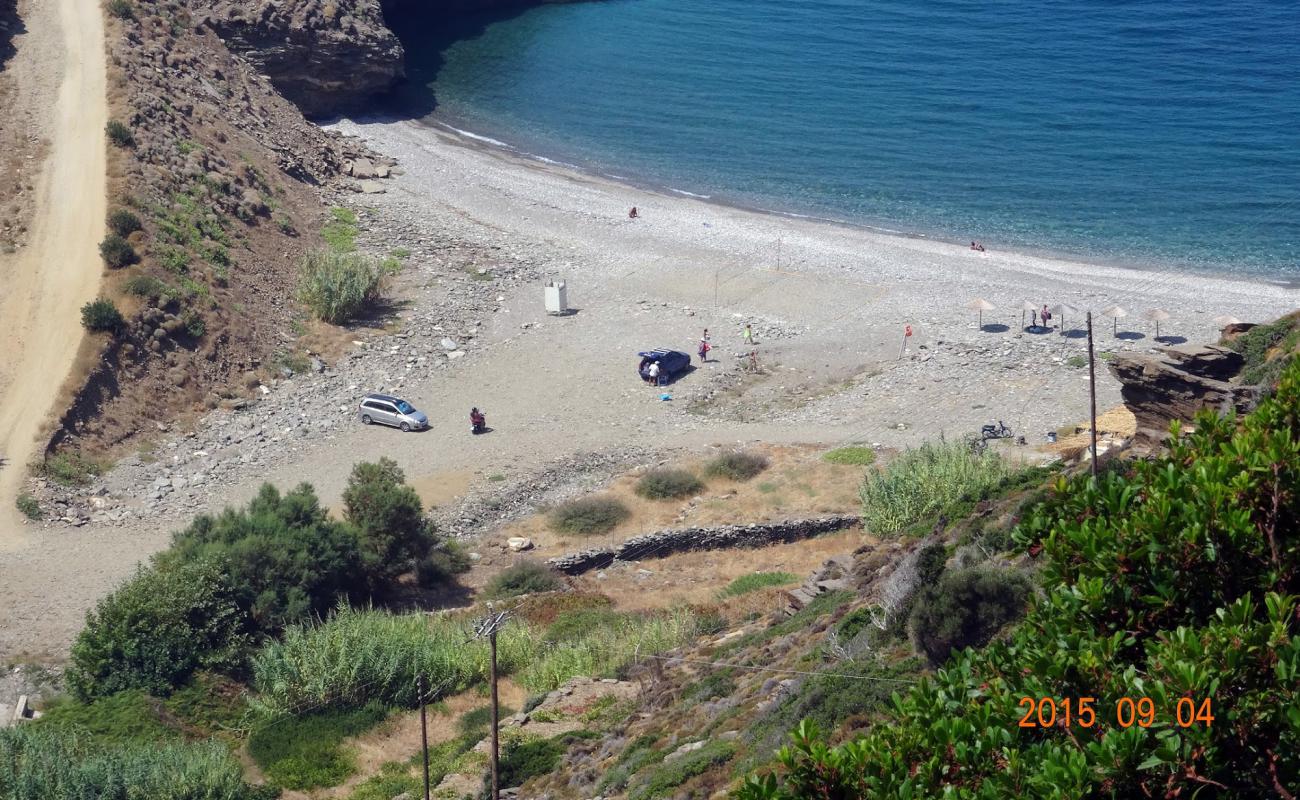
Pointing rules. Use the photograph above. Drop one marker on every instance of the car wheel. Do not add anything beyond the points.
(406, 427)
(365, 419)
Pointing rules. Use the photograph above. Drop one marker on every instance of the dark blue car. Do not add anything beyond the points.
(672, 363)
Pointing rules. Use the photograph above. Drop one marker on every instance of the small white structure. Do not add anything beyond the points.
(557, 298)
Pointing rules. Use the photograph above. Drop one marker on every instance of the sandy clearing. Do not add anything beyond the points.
(47, 282)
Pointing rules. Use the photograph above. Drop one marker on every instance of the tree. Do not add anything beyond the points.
(389, 519)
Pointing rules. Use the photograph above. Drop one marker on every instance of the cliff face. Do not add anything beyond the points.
(327, 56)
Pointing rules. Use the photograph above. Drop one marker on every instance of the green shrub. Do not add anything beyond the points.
(124, 223)
(337, 286)
(394, 779)
(673, 772)
(736, 466)
(389, 519)
(195, 326)
(122, 9)
(444, 562)
(283, 557)
(966, 608)
(29, 506)
(70, 469)
(588, 516)
(155, 630)
(755, 581)
(340, 231)
(40, 762)
(173, 258)
(102, 315)
(120, 134)
(667, 484)
(306, 752)
(211, 703)
(523, 577)
(528, 758)
(854, 455)
(573, 625)
(127, 717)
(147, 286)
(1257, 344)
(1173, 579)
(116, 251)
(928, 481)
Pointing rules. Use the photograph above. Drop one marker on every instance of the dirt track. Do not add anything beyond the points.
(47, 282)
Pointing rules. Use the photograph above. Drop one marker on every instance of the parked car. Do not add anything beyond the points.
(388, 410)
(671, 363)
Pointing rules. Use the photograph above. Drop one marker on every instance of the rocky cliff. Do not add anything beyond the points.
(1178, 382)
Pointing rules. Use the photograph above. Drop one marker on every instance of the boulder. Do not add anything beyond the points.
(1175, 384)
(519, 544)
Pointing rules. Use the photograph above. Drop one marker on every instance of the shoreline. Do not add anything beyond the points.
(490, 144)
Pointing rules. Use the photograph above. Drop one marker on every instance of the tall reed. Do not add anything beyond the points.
(927, 481)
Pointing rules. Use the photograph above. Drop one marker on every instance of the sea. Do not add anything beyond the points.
(1140, 132)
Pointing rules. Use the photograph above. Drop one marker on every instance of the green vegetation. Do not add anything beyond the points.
(124, 223)
(673, 772)
(445, 561)
(306, 752)
(46, 763)
(116, 251)
(391, 527)
(190, 224)
(130, 717)
(148, 287)
(1260, 345)
(736, 466)
(336, 286)
(102, 315)
(173, 258)
(524, 577)
(1078, 362)
(119, 134)
(755, 581)
(70, 469)
(965, 608)
(931, 480)
(853, 455)
(122, 9)
(1174, 579)
(667, 484)
(588, 516)
(29, 506)
(522, 759)
(155, 630)
(341, 230)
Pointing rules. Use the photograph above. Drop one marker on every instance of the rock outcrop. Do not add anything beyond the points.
(1178, 382)
(327, 56)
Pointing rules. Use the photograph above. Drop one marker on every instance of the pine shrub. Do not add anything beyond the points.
(116, 251)
(102, 315)
(124, 223)
(965, 608)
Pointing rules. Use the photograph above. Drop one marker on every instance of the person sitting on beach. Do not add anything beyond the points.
(633, 213)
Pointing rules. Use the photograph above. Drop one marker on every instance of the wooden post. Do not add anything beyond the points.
(1092, 396)
(424, 731)
(496, 786)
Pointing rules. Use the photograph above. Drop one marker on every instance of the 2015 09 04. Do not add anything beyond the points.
(1047, 712)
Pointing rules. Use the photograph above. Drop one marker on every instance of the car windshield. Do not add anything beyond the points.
(404, 407)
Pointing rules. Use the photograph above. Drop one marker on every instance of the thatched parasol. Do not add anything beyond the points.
(1224, 320)
(981, 305)
(1157, 315)
(1063, 310)
(1115, 313)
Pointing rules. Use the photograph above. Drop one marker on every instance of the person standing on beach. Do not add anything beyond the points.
(654, 373)
(633, 213)
(705, 337)
(749, 334)
(704, 349)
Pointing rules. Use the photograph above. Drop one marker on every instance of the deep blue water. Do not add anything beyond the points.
(1149, 132)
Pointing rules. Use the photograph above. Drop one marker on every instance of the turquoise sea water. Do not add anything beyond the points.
(1145, 132)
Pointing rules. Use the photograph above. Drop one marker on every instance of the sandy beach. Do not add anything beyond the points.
(828, 304)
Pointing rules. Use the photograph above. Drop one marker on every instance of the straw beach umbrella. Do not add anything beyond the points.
(1224, 320)
(1157, 315)
(1115, 313)
(1063, 310)
(1026, 306)
(981, 305)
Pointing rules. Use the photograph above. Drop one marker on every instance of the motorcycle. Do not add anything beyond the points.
(999, 431)
(478, 423)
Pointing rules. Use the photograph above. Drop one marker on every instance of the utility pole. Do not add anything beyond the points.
(422, 687)
(1092, 396)
(488, 626)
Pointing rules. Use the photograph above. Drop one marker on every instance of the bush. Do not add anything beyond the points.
(391, 527)
(70, 469)
(856, 455)
(29, 506)
(737, 466)
(155, 630)
(195, 326)
(523, 577)
(128, 717)
(116, 251)
(588, 516)
(966, 608)
(102, 315)
(667, 484)
(927, 481)
(1257, 345)
(444, 562)
(529, 758)
(672, 773)
(45, 763)
(122, 9)
(755, 581)
(305, 752)
(148, 287)
(283, 557)
(120, 134)
(337, 286)
(1173, 579)
(124, 223)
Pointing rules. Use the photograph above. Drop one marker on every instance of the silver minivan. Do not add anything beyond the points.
(389, 410)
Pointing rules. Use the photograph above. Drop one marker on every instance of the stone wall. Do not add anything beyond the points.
(662, 543)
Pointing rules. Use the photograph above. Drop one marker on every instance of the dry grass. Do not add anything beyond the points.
(1117, 423)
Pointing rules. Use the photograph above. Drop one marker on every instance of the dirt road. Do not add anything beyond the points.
(47, 282)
